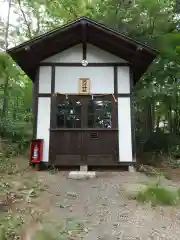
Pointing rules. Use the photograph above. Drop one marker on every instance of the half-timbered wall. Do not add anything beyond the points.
(43, 123)
(102, 82)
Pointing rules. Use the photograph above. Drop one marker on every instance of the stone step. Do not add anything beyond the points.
(81, 175)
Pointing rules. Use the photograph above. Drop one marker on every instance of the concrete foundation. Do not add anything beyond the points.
(84, 168)
(131, 169)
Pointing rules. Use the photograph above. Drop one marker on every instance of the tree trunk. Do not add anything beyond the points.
(5, 98)
(157, 122)
(149, 122)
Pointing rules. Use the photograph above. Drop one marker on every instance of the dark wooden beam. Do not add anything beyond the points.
(80, 65)
(84, 39)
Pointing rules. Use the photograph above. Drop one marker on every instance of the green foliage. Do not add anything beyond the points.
(174, 163)
(160, 141)
(175, 151)
(4, 186)
(16, 120)
(156, 194)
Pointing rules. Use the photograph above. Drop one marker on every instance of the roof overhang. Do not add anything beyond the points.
(29, 54)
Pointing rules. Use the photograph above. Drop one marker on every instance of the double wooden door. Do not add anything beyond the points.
(84, 130)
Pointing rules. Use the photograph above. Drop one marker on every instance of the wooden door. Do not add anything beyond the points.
(99, 131)
(84, 131)
(66, 132)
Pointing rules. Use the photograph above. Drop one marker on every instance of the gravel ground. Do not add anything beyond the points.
(103, 211)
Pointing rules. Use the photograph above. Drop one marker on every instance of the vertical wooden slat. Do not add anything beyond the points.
(53, 100)
(114, 104)
(53, 121)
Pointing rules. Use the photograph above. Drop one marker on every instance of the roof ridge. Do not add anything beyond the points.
(67, 35)
(78, 20)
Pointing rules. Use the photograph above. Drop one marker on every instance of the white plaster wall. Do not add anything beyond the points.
(123, 80)
(124, 126)
(43, 124)
(73, 54)
(45, 79)
(97, 55)
(101, 79)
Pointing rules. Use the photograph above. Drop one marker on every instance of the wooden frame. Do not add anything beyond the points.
(78, 64)
(84, 90)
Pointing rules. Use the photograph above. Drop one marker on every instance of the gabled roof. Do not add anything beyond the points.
(29, 54)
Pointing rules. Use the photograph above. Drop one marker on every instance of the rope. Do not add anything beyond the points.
(99, 95)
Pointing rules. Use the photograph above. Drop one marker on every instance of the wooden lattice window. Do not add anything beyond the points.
(100, 114)
(69, 114)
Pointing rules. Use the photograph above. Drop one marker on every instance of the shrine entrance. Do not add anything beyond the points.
(84, 131)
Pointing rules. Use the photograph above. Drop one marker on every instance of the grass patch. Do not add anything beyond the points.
(10, 226)
(44, 235)
(158, 195)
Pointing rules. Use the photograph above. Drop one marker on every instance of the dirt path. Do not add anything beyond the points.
(98, 209)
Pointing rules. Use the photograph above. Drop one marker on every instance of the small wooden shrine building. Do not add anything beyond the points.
(83, 75)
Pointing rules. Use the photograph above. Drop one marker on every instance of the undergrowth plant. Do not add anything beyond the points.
(173, 163)
(6, 164)
(10, 226)
(53, 170)
(158, 195)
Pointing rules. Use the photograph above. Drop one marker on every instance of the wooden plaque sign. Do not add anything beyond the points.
(84, 86)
